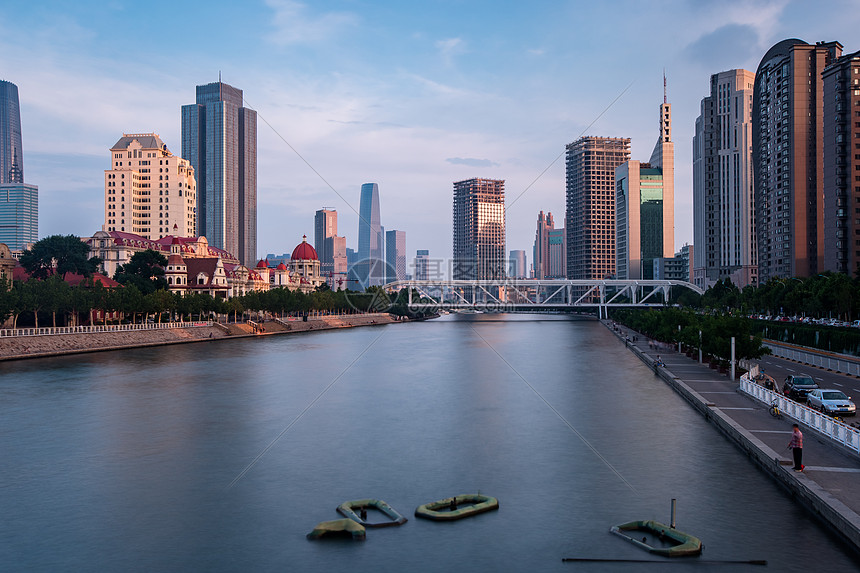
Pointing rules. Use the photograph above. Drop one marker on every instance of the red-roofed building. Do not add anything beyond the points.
(195, 266)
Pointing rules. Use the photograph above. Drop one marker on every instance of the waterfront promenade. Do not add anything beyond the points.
(827, 487)
(14, 348)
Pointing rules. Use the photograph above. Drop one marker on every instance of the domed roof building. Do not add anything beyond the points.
(305, 267)
(304, 251)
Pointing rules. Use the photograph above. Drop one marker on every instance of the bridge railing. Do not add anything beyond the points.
(828, 426)
(51, 330)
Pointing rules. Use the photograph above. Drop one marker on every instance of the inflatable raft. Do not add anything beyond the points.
(457, 507)
(659, 539)
(338, 528)
(348, 509)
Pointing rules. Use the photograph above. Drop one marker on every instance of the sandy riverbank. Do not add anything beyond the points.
(57, 345)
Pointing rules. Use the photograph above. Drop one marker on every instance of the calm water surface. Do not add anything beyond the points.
(221, 456)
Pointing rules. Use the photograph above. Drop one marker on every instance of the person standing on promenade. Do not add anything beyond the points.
(796, 446)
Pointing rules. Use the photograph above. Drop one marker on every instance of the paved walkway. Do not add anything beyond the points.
(830, 484)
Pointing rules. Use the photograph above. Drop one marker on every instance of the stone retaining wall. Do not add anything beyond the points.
(60, 344)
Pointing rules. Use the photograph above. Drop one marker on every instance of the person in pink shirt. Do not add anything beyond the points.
(796, 446)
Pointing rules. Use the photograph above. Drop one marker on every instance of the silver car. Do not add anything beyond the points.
(831, 402)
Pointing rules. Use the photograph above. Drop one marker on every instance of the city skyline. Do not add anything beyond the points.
(406, 112)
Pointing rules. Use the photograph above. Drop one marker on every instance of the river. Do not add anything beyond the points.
(221, 456)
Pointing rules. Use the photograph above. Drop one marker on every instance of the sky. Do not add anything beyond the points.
(412, 96)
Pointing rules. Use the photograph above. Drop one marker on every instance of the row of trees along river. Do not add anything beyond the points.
(46, 299)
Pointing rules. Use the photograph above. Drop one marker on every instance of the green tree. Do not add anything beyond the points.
(161, 301)
(55, 294)
(60, 253)
(145, 270)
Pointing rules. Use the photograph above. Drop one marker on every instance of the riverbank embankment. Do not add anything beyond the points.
(20, 347)
(826, 487)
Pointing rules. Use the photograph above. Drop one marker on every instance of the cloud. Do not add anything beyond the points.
(450, 47)
(294, 24)
(725, 47)
(472, 162)
(736, 30)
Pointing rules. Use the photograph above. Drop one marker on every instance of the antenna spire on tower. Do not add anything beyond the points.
(665, 99)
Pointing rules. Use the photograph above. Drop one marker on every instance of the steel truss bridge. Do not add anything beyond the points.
(522, 295)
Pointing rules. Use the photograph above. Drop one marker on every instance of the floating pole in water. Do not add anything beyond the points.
(667, 562)
(672, 523)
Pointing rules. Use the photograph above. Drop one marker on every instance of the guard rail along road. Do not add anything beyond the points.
(833, 361)
(840, 433)
(48, 331)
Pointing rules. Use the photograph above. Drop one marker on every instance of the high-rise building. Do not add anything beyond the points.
(557, 241)
(517, 264)
(395, 256)
(370, 268)
(540, 251)
(723, 201)
(19, 215)
(549, 252)
(219, 138)
(788, 153)
(479, 229)
(842, 165)
(149, 191)
(590, 216)
(11, 148)
(336, 246)
(645, 207)
(19, 202)
(325, 226)
(422, 265)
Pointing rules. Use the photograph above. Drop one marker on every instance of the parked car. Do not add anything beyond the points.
(831, 402)
(797, 386)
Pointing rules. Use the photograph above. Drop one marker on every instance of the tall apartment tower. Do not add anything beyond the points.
(479, 229)
(788, 155)
(395, 256)
(842, 165)
(590, 217)
(149, 191)
(645, 206)
(19, 201)
(325, 226)
(723, 201)
(219, 138)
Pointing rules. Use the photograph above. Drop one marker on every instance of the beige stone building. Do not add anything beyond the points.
(7, 265)
(149, 191)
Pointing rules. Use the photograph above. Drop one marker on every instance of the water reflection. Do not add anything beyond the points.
(125, 459)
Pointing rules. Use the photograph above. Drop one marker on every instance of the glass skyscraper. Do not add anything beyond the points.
(371, 242)
(19, 215)
(19, 202)
(11, 151)
(219, 138)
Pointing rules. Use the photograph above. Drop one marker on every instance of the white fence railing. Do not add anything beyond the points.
(827, 360)
(49, 331)
(826, 425)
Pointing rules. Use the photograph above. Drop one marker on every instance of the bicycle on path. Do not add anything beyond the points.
(774, 411)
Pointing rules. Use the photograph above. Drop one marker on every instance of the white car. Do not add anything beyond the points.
(831, 402)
